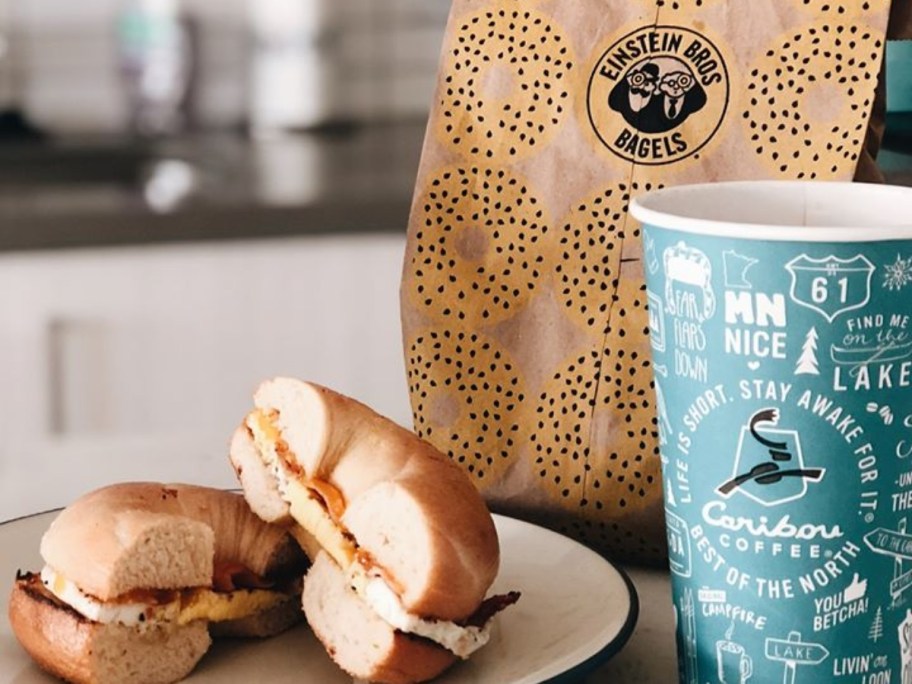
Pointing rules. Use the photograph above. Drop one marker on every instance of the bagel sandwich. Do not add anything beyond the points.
(404, 549)
(136, 574)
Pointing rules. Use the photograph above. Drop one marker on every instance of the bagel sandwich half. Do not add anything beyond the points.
(136, 574)
(400, 538)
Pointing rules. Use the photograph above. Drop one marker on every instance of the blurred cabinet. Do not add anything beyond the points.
(138, 363)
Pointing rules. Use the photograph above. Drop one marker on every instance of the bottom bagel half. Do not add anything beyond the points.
(358, 640)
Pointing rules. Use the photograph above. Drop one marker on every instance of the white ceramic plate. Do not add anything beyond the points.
(576, 611)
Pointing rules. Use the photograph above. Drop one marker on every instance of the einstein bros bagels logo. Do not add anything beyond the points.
(658, 95)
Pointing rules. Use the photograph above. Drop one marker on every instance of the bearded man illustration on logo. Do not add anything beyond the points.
(657, 95)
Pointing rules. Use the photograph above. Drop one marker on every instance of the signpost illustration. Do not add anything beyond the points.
(794, 652)
(898, 545)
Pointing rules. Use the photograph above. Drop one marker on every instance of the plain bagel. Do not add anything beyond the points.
(135, 575)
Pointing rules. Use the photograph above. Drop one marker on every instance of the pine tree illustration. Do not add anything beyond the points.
(876, 631)
(807, 362)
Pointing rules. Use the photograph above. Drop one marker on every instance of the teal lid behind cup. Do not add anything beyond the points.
(899, 76)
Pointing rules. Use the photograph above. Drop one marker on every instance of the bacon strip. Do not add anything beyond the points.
(228, 577)
(490, 607)
(331, 497)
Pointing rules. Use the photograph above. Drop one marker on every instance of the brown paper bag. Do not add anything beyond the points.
(523, 304)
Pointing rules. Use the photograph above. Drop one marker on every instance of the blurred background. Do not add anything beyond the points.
(196, 195)
(102, 66)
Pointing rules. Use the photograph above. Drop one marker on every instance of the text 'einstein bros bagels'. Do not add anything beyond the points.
(398, 532)
(135, 573)
(648, 84)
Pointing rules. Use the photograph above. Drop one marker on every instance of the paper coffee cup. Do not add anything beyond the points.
(781, 330)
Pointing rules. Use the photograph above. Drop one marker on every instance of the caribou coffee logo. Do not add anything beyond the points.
(769, 465)
(658, 95)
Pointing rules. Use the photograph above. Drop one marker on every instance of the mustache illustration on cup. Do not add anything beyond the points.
(769, 472)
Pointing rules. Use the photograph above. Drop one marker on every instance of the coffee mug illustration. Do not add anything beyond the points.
(734, 665)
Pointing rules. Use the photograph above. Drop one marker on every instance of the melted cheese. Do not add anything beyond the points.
(306, 508)
(189, 605)
(204, 604)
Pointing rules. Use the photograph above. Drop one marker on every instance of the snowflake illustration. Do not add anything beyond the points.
(898, 274)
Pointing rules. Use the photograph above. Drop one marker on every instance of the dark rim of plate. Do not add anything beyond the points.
(578, 672)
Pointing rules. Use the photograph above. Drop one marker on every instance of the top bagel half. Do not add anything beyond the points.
(135, 574)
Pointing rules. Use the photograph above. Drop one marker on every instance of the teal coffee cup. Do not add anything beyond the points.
(781, 330)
